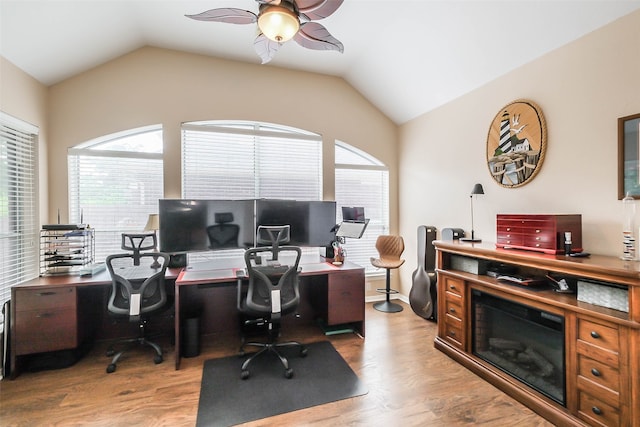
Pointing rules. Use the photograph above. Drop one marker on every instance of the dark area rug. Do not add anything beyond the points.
(321, 377)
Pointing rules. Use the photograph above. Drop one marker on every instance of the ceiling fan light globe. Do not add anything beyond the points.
(278, 23)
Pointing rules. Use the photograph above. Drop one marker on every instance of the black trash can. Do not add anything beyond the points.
(191, 337)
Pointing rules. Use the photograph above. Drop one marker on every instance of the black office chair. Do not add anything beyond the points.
(272, 293)
(137, 293)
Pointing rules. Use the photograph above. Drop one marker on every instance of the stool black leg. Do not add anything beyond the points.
(387, 306)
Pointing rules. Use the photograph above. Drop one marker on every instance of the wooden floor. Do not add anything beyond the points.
(410, 383)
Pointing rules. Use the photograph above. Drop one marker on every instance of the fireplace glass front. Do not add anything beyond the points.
(525, 342)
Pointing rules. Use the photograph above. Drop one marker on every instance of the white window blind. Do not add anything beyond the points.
(18, 204)
(114, 184)
(247, 160)
(362, 180)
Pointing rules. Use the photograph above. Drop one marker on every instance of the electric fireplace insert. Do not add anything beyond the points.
(525, 342)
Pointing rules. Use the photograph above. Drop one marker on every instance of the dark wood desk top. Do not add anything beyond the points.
(218, 272)
(99, 279)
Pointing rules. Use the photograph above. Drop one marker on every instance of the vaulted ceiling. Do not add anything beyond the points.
(406, 57)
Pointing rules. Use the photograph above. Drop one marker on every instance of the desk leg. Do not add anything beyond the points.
(177, 327)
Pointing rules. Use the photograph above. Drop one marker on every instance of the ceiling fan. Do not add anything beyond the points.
(280, 21)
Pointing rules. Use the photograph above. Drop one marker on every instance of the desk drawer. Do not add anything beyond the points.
(43, 330)
(345, 298)
(35, 299)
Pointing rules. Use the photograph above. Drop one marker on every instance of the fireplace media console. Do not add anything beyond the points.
(572, 362)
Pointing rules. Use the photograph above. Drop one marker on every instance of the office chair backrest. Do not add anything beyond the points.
(273, 288)
(138, 242)
(137, 288)
(273, 235)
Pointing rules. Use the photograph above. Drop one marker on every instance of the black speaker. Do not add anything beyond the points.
(177, 260)
(452, 233)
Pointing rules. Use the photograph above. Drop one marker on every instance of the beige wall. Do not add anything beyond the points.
(582, 89)
(24, 98)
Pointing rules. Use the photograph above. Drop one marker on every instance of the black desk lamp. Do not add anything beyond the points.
(477, 189)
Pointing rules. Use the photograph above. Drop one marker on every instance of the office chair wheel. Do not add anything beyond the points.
(111, 368)
(303, 352)
(157, 359)
(244, 374)
(288, 373)
(110, 352)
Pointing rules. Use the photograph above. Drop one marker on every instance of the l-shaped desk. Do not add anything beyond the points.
(59, 312)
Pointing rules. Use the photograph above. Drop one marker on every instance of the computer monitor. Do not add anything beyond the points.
(353, 213)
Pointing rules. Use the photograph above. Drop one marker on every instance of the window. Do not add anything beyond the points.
(247, 160)
(18, 204)
(243, 160)
(115, 183)
(362, 180)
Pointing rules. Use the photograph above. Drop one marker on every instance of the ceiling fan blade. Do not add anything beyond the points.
(317, 9)
(315, 36)
(265, 48)
(229, 15)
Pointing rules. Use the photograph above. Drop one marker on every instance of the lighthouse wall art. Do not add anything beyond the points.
(516, 143)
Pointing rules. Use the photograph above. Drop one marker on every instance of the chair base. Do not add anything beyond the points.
(141, 341)
(387, 307)
(273, 348)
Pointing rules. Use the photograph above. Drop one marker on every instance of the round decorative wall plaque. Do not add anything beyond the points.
(516, 143)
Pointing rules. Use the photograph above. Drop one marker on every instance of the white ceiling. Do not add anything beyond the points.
(406, 57)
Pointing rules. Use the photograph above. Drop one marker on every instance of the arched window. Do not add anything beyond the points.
(114, 184)
(362, 180)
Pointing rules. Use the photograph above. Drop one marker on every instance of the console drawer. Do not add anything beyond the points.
(599, 413)
(599, 335)
(454, 305)
(453, 331)
(454, 286)
(600, 373)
